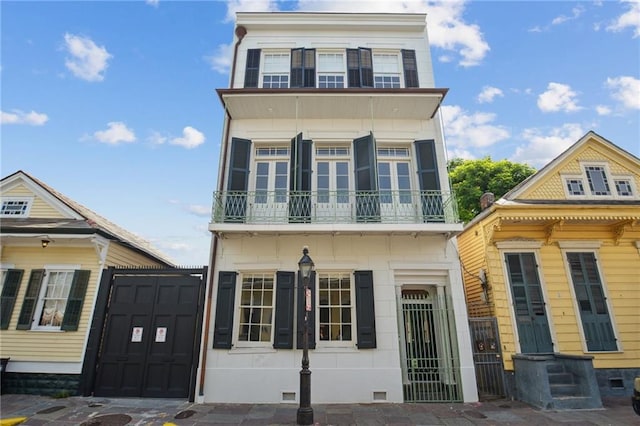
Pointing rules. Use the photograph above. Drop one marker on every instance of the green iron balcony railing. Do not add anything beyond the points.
(383, 206)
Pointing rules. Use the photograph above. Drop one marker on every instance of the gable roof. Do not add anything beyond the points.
(76, 218)
(512, 196)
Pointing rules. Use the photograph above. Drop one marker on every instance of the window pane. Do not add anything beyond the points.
(55, 298)
(597, 180)
(256, 308)
(335, 307)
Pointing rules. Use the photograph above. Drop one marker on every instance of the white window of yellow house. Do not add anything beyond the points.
(256, 307)
(52, 300)
(16, 206)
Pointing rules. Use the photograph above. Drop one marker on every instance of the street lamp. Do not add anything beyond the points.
(305, 412)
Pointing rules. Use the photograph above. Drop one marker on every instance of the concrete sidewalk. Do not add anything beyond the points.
(93, 411)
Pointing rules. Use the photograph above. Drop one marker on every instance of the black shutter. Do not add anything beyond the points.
(365, 310)
(297, 67)
(73, 310)
(432, 208)
(301, 311)
(225, 301)
(30, 300)
(367, 197)
(236, 201)
(410, 67)
(283, 335)
(300, 180)
(353, 68)
(366, 67)
(252, 70)
(10, 287)
(309, 68)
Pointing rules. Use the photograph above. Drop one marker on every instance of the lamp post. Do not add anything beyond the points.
(305, 412)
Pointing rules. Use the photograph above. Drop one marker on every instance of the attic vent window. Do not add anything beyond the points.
(15, 207)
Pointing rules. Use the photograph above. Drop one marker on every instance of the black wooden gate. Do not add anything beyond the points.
(487, 357)
(145, 336)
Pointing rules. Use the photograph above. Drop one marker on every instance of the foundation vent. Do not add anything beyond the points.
(288, 396)
(379, 396)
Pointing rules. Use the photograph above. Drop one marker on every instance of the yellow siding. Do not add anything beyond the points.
(61, 346)
(39, 208)
(119, 255)
(472, 258)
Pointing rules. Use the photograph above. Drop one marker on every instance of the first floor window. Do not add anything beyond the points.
(335, 307)
(53, 298)
(256, 308)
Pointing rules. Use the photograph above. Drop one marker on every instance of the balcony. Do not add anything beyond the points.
(382, 211)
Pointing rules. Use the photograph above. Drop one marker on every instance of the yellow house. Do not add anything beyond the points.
(557, 262)
(53, 254)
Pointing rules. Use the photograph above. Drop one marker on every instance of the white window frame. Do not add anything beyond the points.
(354, 329)
(338, 153)
(37, 313)
(238, 311)
(24, 212)
(271, 154)
(285, 70)
(382, 68)
(611, 180)
(326, 70)
(588, 247)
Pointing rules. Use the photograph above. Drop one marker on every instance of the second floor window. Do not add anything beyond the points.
(386, 71)
(275, 74)
(330, 70)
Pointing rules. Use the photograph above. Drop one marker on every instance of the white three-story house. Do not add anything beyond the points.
(332, 140)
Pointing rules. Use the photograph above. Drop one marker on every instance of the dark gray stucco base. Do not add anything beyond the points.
(56, 385)
(616, 381)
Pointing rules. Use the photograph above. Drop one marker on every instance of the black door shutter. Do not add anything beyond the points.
(365, 310)
(30, 300)
(285, 285)
(367, 197)
(252, 70)
(303, 67)
(223, 329)
(236, 201)
(73, 310)
(431, 198)
(300, 180)
(410, 67)
(359, 67)
(301, 311)
(10, 287)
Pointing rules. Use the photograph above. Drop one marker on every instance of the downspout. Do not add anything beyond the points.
(240, 33)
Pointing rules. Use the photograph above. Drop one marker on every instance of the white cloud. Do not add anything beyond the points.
(625, 89)
(221, 59)
(488, 94)
(558, 97)
(465, 129)
(153, 3)
(199, 210)
(116, 133)
(19, 117)
(575, 14)
(87, 61)
(191, 138)
(157, 138)
(542, 148)
(234, 6)
(631, 18)
(603, 110)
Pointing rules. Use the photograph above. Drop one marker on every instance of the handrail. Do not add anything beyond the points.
(383, 206)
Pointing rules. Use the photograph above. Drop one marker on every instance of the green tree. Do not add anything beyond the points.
(472, 178)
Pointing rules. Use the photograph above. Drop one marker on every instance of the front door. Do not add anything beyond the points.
(528, 303)
(150, 337)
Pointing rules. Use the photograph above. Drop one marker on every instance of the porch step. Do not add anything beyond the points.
(573, 403)
(555, 367)
(564, 390)
(560, 378)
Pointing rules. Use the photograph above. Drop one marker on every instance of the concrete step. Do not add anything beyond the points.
(575, 403)
(561, 378)
(555, 367)
(564, 389)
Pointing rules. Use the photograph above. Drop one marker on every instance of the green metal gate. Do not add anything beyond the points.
(430, 361)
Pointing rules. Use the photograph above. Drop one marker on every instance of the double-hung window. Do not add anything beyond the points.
(335, 307)
(331, 68)
(386, 70)
(53, 298)
(275, 70)
(256, 307)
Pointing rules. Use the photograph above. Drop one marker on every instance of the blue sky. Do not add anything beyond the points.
(114, 103)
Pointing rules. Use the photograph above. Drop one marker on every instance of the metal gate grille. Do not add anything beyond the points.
(431, 370)
(487, 357)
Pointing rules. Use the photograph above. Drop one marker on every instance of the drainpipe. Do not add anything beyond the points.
(240, 33)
